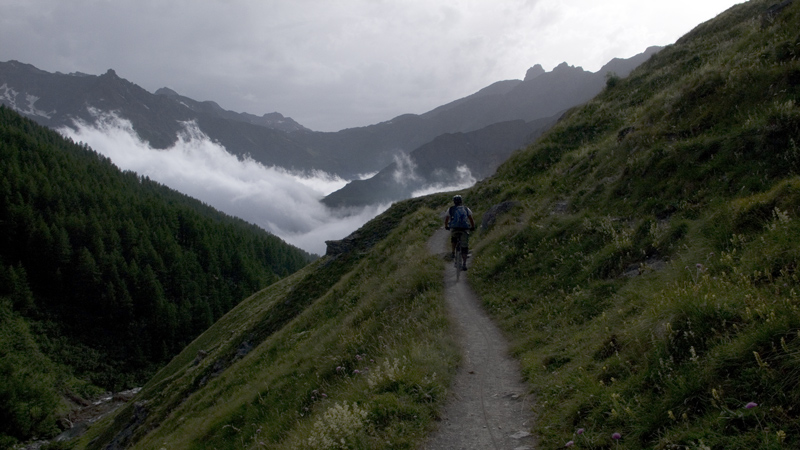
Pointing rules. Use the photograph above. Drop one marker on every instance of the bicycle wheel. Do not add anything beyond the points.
(457, 261)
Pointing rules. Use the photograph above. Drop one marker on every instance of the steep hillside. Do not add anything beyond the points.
(645, 270)
(648, 269)
(112, 273)
(354, 348)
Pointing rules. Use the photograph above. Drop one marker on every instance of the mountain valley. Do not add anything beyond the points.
(637, 246)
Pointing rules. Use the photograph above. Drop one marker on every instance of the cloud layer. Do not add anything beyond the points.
(284, 203)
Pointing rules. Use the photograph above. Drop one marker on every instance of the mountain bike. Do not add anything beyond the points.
(458, 260)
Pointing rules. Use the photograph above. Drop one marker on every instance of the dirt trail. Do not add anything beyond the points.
(489, 406)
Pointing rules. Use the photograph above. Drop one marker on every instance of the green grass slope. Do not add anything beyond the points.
(646, 276)
(352, 351)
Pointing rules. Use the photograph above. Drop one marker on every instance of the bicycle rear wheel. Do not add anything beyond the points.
(457, 262)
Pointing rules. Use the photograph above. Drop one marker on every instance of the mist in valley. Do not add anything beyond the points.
(283, 202)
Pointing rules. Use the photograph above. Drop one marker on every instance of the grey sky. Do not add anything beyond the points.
(335, 64)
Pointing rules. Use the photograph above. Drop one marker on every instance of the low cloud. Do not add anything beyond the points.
(462, 179)
(284, 203)
(405, 169)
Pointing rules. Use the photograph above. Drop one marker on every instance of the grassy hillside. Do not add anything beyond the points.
(647, 278)
(354, 347)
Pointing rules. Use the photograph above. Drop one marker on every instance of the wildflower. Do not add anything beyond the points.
(356, 372)
(580, 431)
(569, 444)
(358, 357)
(616, 436)
(699, 266)
(751, 405)
(324, 395)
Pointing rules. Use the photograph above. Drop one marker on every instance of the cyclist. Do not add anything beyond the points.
(459, 221)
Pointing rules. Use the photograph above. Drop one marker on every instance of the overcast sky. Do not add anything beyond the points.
(335, 64)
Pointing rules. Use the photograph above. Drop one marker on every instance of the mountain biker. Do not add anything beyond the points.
(459, 221)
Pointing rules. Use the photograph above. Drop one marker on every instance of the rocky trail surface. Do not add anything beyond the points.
(489, 406)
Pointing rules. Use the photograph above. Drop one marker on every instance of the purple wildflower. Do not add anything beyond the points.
(580, 431)
(616, 436)
(751, 405)
(569, 444)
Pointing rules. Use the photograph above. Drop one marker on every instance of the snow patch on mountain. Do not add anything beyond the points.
(9, 96)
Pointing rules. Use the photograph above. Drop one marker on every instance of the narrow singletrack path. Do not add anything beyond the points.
(488, 406)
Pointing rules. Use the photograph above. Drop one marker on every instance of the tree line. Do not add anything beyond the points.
(116, 273)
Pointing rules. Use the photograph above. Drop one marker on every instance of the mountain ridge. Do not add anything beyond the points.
(271, 140)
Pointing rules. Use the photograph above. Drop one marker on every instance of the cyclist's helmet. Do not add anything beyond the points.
(457, 200)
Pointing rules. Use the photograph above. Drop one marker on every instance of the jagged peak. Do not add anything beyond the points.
(563, 67)
(534, 72)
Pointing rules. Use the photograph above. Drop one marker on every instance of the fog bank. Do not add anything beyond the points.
(284, 203)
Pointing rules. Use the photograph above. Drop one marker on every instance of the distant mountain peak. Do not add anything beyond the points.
(534, 72)
(564, 67)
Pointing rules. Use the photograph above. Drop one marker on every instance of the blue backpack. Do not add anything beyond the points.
(459, 217)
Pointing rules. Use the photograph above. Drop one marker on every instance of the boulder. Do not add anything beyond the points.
(490, 216)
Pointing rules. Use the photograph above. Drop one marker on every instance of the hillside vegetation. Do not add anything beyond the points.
(646, 276)
(353, 351)
(106, 275)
